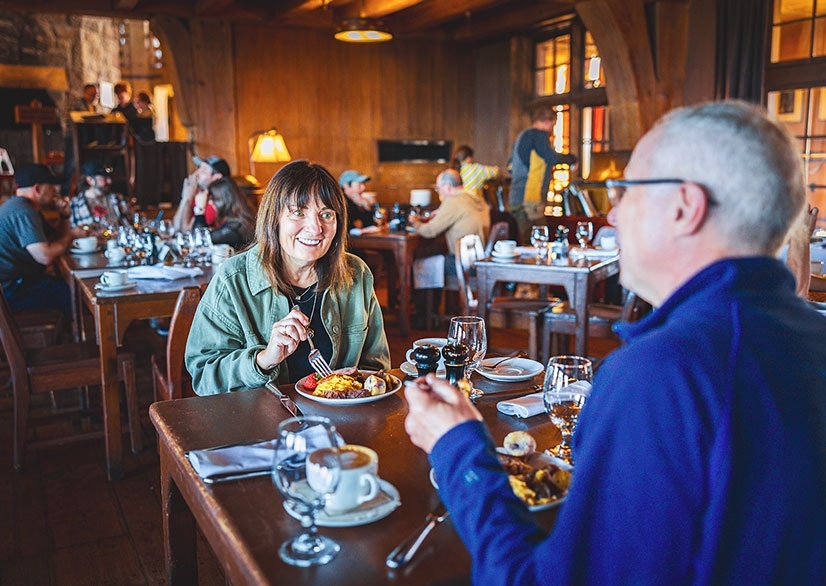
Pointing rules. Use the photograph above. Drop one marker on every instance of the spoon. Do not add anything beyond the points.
(511, 356)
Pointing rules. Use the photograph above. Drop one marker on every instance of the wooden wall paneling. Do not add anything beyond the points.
(492, 95)
(332, 101)
(214, 64)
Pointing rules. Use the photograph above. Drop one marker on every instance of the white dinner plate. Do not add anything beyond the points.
(74, 250)
(504, 257)
(386, 502)
(514, 370)
(116, 288)
(308, 394)
(409, 368)
(537, 460)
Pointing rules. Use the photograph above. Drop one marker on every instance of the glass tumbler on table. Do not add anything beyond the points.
(540, 236)
(584, 233)
(307, 484)
(563, 402)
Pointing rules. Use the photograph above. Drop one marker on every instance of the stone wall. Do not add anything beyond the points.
(87, 47)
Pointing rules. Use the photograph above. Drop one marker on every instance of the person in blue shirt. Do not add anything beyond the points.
(701, 451)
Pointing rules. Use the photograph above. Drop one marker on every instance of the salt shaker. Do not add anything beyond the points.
(426, 357)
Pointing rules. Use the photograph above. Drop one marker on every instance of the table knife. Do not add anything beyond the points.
(286, 402)
(408, 548)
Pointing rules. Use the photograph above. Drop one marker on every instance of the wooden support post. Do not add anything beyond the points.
(37, 115)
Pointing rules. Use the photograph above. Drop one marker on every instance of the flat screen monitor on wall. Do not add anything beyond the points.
(414, 151)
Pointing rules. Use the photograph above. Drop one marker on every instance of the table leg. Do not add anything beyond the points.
(107, 343)
(484, 292)
(404, 264)
(580, 301)
(179, 529)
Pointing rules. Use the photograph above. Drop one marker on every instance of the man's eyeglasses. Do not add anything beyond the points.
(617, 187)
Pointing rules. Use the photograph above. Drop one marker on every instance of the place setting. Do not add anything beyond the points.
(505, 251)
(115, 282)
(85, 245)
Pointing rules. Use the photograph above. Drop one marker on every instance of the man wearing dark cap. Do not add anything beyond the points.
(194, 194)
(359, 207)
(29, 244)
(96, 203)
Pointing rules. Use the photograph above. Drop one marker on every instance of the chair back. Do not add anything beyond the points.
(469, 249)
(634, 308)
(179, 327)
(498, 231)
(13, 344)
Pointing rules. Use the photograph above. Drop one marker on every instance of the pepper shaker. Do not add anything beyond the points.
(426, 358)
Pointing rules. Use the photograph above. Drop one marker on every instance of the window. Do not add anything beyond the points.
(796, 84)
(568, 76)
(798, 30)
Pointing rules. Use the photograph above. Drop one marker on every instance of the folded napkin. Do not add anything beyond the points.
(597, 253)
(531, 405)
(161, 271)
(365, 230)
(247, 457)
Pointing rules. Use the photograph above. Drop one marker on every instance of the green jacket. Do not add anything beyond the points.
(235, 318)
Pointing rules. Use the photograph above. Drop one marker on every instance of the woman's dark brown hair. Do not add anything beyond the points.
(295, 185)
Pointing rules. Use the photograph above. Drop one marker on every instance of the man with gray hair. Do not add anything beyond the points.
(701, 451)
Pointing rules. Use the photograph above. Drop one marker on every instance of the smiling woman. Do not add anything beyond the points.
(253, 322)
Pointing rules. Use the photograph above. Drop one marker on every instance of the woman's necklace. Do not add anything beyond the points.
(298, 301)
(312, 288)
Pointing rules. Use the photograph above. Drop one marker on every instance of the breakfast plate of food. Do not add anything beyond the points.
(539, 480)
(349, 386)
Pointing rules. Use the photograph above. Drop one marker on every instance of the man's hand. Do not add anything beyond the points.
(436, 407)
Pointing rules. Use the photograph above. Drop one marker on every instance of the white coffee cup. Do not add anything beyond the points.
(505, 246)
(817, 267)
(110, 244)
(86, 244)
(359, 482)
(221, 252)
(608, 242)
(115, 254)
(114, 278)
(438, 342)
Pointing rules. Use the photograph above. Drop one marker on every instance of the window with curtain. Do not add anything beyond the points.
(796, 85)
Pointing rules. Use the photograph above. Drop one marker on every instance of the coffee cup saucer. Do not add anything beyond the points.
(386, 502)
(116, 288)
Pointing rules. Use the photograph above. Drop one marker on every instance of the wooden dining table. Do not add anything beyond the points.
(244, 520)
(401, 246)
(113, 312)
(577, 276)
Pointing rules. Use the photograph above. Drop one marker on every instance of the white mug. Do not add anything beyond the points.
(817, 267)
(608, 242)
(114, 278)
(438, 342)
(86, 244)
(221, 252)
(110, 244)
(505, 246)
(115, 253)
(359, 481)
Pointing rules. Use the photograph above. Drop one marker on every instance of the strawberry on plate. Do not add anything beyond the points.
(310, 381)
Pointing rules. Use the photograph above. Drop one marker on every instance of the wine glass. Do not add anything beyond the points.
(584, 233)
(306, 471)
(540, 236)
(203, 245)
(469, 330)
(563, 399)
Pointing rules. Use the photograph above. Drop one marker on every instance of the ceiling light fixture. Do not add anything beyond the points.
(363, 30)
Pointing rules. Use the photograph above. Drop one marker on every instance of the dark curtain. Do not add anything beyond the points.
(742, 35)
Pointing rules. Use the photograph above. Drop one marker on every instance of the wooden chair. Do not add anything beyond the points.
(558, 322)
(169, 377)
(58, 367)
(498, 231)
(504, 311)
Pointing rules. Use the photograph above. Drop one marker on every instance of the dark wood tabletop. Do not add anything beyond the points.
(244, 520)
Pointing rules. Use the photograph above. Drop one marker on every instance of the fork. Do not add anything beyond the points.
(316, 359)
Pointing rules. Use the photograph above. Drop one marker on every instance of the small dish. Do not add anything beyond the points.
(537, 460)
(505, 256)
(308, 394)
(116, 288)
(409, 368)
(74, 250)
(513, 370)
(386, 502)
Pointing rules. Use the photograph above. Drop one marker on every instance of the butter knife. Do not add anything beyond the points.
(286, 402)
(408, 548)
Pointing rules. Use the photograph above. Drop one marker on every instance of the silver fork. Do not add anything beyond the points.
(316, 359)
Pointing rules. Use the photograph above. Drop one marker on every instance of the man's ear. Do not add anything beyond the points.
(692, 208)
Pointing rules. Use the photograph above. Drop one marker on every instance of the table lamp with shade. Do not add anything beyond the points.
(267, 146)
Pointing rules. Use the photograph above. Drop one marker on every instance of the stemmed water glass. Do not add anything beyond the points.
(469, 330)
(203, 245)
(306, 471)
(563, 399)
(584, 233)
(540, 236)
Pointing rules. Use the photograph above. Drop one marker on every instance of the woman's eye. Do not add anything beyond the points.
(328, 216)
(297, 213)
